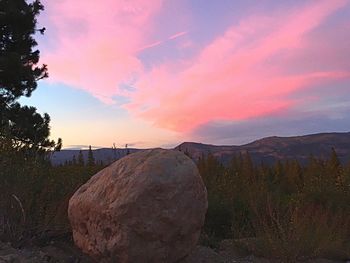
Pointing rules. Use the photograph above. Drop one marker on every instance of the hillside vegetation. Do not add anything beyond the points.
(284, 211)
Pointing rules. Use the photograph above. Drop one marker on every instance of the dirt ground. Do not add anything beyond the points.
(66, 252)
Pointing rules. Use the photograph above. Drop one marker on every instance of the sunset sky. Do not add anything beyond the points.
(155, 73)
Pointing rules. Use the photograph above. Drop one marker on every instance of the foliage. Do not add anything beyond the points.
(34, 196)
(27, 189)
(81, 161)
(292, 211)
(19, 73)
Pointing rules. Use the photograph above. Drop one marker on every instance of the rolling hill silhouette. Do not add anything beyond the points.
(266, 150)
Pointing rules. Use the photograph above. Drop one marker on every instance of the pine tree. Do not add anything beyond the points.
(347, 176)
(81, 161)
(248, 167)
(19, 74)
(335, 169)
(91, 159)
(312, 175)
(74, 160)
(292, 180)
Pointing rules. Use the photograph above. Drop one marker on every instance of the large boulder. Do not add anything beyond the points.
(146, 207)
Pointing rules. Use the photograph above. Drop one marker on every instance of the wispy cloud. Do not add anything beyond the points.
(157, 43)
(179, 34)
(250, 70)
(154, 44)
(247, 72)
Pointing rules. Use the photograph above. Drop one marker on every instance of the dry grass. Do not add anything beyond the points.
(302, 232)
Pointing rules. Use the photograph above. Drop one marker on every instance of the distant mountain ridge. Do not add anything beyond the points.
(266, 150)
(274, 148)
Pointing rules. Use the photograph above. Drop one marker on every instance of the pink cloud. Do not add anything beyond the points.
(96, 44)
(249, 71)
(240, 75)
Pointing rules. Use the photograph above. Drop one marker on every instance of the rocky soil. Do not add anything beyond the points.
(55, 252)
(65, 252)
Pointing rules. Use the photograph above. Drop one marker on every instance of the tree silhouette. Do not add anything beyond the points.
(74, 160)
(91, 159)
(335, 168)
(81, 158)
(19, 73)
